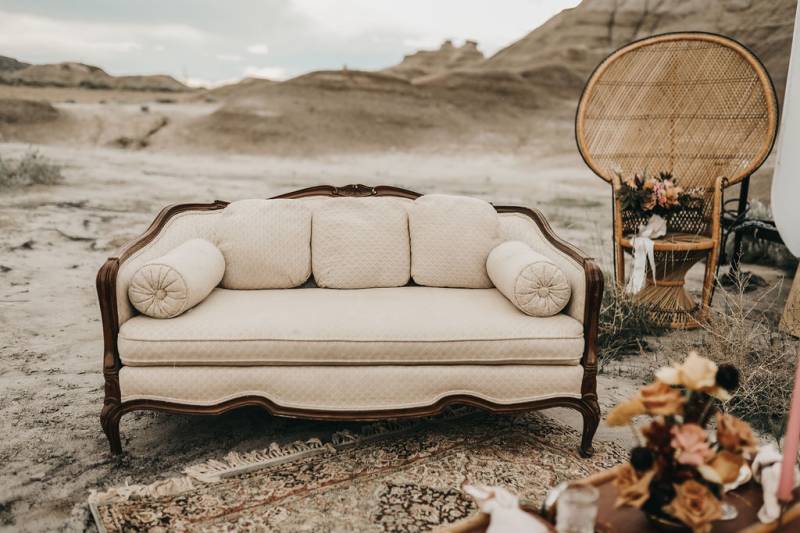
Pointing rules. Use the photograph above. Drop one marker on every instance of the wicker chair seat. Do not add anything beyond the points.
(676, 242)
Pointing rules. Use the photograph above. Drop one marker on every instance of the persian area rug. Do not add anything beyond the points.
(385, 476)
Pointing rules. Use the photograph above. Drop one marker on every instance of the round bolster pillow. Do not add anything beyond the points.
(528, 279)
(167, 286)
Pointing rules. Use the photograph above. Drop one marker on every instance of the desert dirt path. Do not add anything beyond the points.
(53, 240)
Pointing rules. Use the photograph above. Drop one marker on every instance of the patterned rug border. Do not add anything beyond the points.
(235, 463)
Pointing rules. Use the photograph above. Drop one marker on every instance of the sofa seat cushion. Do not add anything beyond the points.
(403, 325)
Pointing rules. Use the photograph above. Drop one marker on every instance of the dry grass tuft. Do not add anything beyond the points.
(623, 325)
(741, 331)
(31, 169)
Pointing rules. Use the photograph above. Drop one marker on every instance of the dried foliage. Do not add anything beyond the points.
(31, 169)
(743, 331)
(623, 326)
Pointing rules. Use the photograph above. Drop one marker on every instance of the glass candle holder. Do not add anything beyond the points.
(576, 510)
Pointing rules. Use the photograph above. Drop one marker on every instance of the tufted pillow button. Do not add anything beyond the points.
(543, 292)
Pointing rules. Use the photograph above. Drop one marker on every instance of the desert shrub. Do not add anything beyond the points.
(31, 169)
(623, 326)
(741, 331)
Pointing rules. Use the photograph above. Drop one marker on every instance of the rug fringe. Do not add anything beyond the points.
(234, 463)
(164, 487)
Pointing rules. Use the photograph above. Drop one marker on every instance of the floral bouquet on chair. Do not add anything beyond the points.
(680, 470)
(654, 195)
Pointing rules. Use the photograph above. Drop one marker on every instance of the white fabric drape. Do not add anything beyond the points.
(643, 252)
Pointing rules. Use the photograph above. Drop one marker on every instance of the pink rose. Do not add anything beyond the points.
(691, 444)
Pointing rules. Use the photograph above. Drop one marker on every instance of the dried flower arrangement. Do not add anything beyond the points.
(655, 195)
(679, 470)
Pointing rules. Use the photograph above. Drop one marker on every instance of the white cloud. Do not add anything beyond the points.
(259, 49)
(270, 73)
(209, 84)
(492, 24)
(33, 36)
(229, 57)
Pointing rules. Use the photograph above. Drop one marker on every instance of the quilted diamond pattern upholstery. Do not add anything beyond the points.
(178, 229)
(352, 387)
(529, 280)
(169, 285)
(403, 325)
(451, 237)
(520, 227)
(360, 243)
(266, 244)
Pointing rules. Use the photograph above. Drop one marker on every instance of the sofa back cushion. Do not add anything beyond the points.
(360, 243)
(451, 237)
(266, 244)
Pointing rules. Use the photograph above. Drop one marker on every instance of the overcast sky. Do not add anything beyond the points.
(208, 41)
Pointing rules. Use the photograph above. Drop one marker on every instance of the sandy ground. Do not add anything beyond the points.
(53, 240)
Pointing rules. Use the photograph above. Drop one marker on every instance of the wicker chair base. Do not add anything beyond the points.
(667, 301)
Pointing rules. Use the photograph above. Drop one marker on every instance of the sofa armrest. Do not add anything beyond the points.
(174, 225)
(585, 276)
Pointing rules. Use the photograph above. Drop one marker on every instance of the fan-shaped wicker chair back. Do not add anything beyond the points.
(697, 105)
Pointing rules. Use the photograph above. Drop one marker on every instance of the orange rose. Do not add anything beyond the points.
(723, 469)
(736, 435)
(660, 399)
(695, 506)
(624, 412)
(633, 489)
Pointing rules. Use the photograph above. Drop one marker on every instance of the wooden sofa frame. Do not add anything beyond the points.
(114, 407)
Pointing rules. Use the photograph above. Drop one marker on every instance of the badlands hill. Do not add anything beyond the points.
(84, 76)
(9, 64)
(454, 93)
(521, 97)
(447, 57)
(576, 40)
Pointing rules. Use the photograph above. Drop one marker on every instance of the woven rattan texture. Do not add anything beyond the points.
(697, 105)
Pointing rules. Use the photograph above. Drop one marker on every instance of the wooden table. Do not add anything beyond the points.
(747, 500)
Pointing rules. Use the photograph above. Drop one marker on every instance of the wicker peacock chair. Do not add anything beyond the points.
(698, 105)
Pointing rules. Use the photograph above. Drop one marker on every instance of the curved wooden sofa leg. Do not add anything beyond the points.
(110, 416)
(590, 410)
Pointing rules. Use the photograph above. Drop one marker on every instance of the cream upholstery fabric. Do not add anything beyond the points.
(360, 243)
(528, 279)
(318, 202)
(520, 227)
(192, 224)
(451, 236)
(167, 286)
(352, 387)
(178, 229)
(402, 325)
(266, 244)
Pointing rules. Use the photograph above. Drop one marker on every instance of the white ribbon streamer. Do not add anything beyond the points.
(767, 471)
(503, 506)
(643, 252)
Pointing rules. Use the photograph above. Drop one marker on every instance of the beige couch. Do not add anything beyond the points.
(353, 303)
